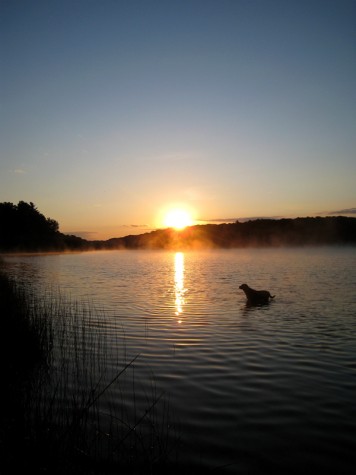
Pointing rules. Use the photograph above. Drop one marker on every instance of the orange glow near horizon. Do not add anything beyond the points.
(177, 218)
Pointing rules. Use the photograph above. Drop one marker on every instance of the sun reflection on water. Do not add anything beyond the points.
(179, 283)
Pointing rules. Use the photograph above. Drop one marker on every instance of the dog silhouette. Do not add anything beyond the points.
(255, 297)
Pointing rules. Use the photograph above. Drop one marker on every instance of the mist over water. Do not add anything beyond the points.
(254, 389)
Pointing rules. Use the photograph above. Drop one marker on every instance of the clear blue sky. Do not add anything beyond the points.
(113, 111)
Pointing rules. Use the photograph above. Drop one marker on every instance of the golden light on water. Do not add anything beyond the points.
(179, 283)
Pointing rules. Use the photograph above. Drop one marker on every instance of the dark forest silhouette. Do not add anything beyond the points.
(24, 228)
(257, 233)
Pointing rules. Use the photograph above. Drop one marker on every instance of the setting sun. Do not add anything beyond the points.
(178, 219)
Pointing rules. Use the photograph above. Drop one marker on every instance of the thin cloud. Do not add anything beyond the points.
(19, 171)
(133, 226)
(218, 220)
(254, 218)
(343, 211)
(83, 234)
(241, 220)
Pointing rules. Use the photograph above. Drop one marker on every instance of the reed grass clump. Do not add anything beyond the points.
(26, 342)
(72, 403)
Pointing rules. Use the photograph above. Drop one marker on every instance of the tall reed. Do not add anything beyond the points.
(80, 408)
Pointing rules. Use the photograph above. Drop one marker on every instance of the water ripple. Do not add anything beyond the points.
(259, 389)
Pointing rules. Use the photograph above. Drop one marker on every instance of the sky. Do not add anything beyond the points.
(114, 111)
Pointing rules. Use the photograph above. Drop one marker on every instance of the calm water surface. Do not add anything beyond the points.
(254, 389)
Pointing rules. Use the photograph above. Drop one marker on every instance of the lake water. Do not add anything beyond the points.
(269, 389)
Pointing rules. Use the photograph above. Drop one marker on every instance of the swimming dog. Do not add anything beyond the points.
(255, 297)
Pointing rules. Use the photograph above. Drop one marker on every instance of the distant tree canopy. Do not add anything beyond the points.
(257, 233)
(24, 228)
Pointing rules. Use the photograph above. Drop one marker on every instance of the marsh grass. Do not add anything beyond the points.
(73, 404)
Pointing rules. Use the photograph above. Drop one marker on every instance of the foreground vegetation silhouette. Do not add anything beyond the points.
(53, 419)
(24, 228)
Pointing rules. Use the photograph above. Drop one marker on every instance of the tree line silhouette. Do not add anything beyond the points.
(255, 233)
(24, 228)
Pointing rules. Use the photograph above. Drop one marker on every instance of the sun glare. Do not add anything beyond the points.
(177, 219)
